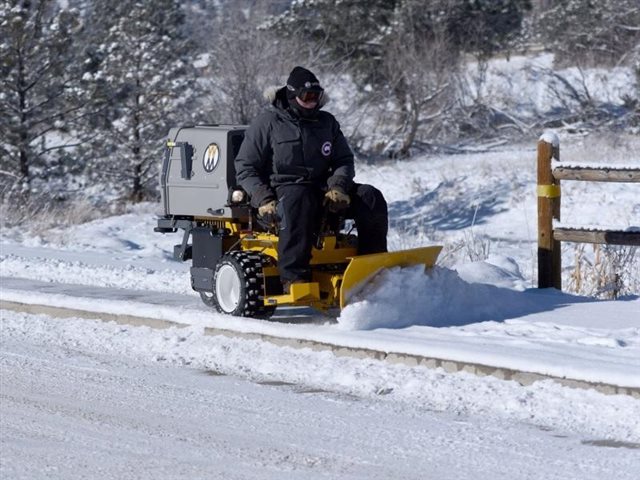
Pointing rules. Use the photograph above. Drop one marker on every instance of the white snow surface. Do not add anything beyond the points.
(104, 389)
(550, 137)
(596, 165)
(85, 399)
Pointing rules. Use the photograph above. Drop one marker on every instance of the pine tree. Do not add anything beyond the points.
(359, 30)
(40, 96)
(144, 78)
(486, 27)
(406, 50)
(348, 31)
(605, 32)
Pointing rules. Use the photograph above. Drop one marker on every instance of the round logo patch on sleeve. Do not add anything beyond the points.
(326, 149)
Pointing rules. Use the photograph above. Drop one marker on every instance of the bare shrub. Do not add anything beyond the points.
(470, 248)
(418, 76)
(243, 61)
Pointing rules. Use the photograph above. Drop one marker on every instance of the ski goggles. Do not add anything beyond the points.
(310, 92)
(309, 96)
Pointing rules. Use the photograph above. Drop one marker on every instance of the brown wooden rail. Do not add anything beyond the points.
(602, 174)
(609, 237)
(549, 195)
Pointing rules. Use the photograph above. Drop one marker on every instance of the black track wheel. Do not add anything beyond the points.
(238, 286)
(207, 299)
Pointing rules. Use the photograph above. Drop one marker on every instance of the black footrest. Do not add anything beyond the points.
(179, 255)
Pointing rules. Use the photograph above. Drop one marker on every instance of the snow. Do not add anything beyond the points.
(550, 137)
(595, 228)
(518, 330)
(526, 80)
(597, 166)
(467, 311)
(125, 402)
(83, 398)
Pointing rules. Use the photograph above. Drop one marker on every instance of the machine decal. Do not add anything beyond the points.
(211, 157)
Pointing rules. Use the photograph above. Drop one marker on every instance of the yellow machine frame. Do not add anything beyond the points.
(337, 271)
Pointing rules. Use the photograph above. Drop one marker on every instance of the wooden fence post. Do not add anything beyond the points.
(549, 260)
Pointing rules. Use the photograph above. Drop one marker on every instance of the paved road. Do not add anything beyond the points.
(68, 412)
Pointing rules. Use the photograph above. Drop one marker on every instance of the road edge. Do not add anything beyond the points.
(450, 366)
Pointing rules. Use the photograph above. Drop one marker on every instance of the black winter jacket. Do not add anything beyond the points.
(280, 148)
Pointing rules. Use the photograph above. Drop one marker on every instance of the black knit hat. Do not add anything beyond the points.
(301, 79)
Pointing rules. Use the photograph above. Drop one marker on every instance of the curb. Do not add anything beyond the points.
(449, 366)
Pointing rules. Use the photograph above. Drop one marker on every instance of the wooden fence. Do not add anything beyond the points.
(549, 175)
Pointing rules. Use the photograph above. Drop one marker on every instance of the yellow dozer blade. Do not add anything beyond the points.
(364, 267)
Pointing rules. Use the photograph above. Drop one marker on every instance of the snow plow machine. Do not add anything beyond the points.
(234, 260)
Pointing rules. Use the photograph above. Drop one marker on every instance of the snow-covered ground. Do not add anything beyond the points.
(85, 399)
(80, 397)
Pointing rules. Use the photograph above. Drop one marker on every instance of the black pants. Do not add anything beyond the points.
(300, 212)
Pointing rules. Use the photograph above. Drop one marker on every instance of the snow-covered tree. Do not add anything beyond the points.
(592, 32)
(486, 27)
(348, 31)
(144, 77)
(40, 96)
(408, 50)
(359, 30)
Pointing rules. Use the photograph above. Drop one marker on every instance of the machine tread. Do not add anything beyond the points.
(250, 264)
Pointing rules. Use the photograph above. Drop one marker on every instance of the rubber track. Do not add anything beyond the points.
(252, 263)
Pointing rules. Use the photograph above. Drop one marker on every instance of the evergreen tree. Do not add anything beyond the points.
(486, 27)
(360, 30)
(348, 31)
(40, 96)
(407, 50)
(603, 32)
(144, 77)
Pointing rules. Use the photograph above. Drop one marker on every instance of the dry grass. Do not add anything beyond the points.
(605, 271)
(39, 213)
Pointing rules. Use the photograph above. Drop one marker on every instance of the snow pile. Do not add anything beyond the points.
(439, 297)
(88, 271)
(550, 137)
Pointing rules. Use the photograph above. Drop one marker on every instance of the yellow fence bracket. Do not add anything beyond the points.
(549, 191)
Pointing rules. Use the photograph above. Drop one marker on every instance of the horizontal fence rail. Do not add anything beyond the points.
(601, 174)
(606, 237)
(549, 196)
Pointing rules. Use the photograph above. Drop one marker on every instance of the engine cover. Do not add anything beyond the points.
(198, 170)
